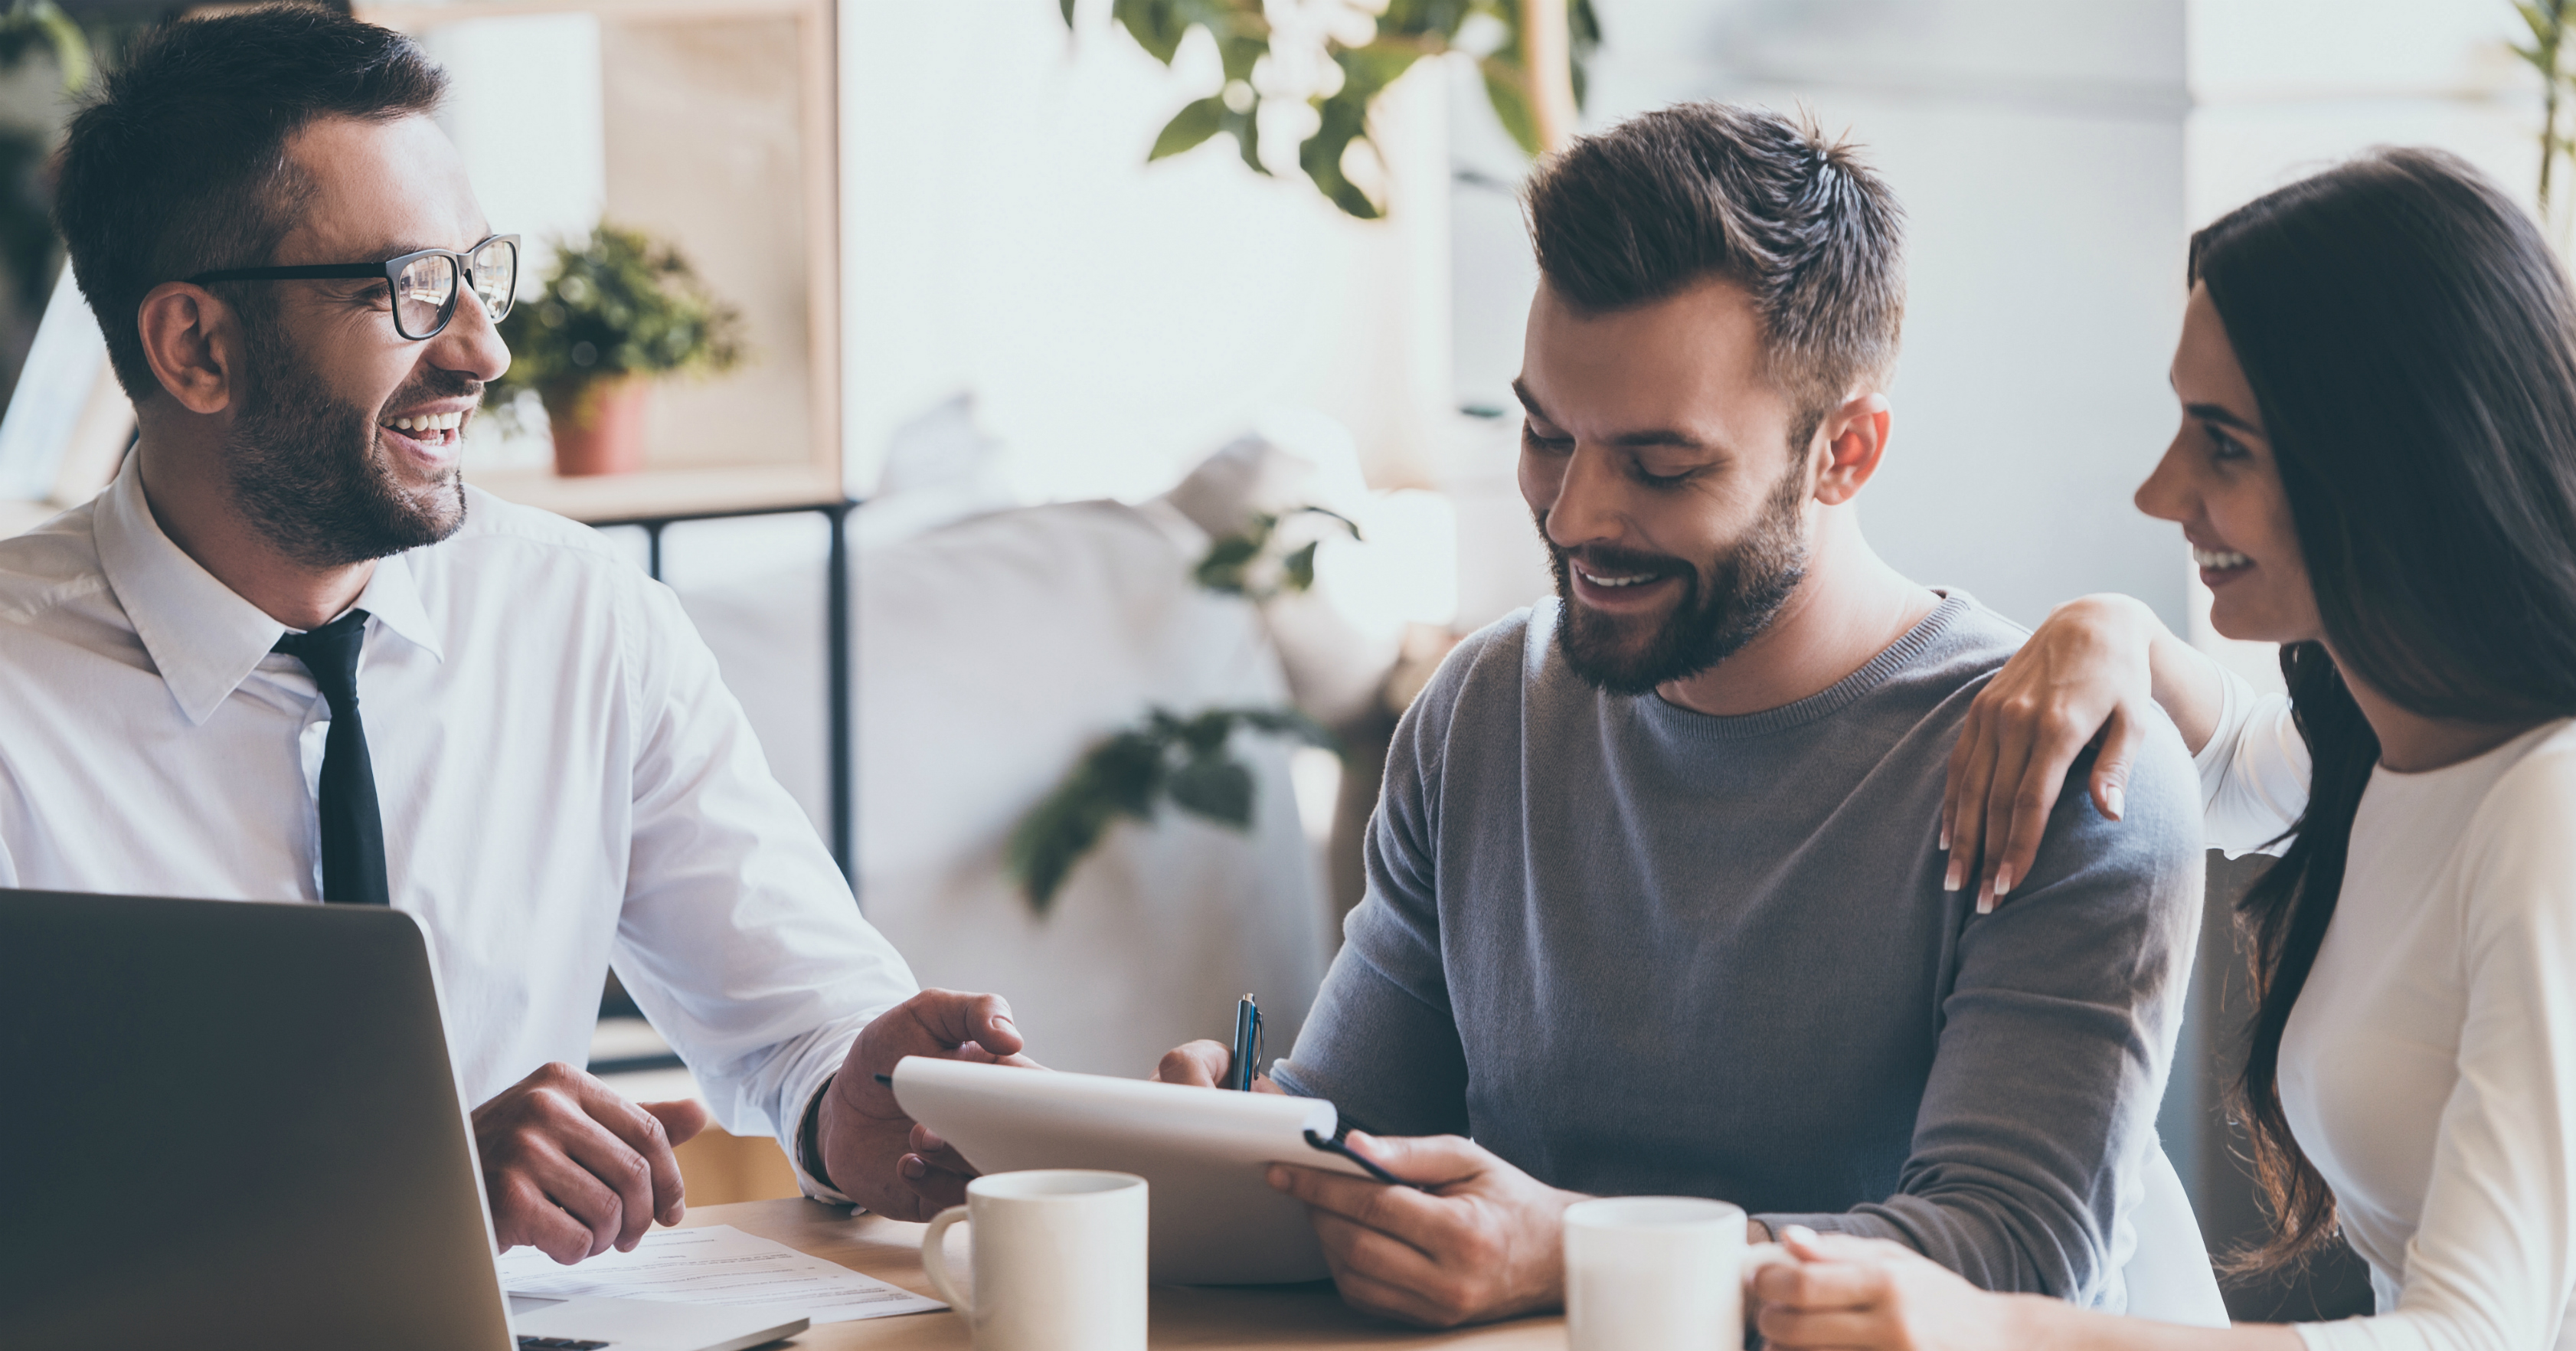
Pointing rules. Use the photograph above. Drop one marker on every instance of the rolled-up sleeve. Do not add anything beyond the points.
(739, 937)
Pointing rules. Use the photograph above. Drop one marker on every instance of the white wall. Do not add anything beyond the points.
(525, 112)
(2281, 88)
(2037, 147)
(1116, 320)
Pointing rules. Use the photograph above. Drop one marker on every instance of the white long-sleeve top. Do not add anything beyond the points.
(2429, 1066)
(563, 779)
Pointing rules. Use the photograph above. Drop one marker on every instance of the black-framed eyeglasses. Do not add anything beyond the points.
(424, 284)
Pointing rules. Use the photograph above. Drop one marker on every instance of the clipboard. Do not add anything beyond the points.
(1212, 1219)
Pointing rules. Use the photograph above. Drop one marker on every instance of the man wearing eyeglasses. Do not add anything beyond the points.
(288, 654)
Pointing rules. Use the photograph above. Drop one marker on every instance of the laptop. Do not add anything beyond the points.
(232, 1124)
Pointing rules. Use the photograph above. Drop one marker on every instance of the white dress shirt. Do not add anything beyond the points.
(564, 781)
(2429, 1066)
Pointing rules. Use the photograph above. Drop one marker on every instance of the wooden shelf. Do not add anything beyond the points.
(666, 492)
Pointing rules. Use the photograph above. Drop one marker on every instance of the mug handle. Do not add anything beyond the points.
(934, 1259)
(1756, 1257)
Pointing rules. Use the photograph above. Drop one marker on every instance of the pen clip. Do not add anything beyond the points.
(1335, 1146)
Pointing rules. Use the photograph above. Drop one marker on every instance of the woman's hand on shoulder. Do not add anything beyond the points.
(2084, 676)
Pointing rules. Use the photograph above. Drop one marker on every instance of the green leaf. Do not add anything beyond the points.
(1157, 25)
(1206, 734)
(1068, 13)
(1247, 135)
(1366, 72)
(1124, 773)
(1222, 569)
(1347, 523)
(2544, 29)
(1194, 123)
(1240, 53)
(1298, 568)
(1290, 723)
(1050, 840)
(71, 46)
(1506, 87)
(1216, 788)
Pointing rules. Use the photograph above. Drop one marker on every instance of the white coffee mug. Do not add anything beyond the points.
(1657, 1273)
(1059, 1260)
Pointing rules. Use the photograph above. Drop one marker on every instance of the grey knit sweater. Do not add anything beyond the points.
(1636, 949)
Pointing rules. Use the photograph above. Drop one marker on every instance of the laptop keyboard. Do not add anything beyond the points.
(559, 1344)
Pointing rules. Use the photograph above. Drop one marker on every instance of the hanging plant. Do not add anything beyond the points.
(1255, 564)
(1184, 761)
(1188, 761)
(1328, 60)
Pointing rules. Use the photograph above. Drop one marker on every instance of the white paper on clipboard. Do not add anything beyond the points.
(1212, 1219)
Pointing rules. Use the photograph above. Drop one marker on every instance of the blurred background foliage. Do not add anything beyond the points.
(1335, 57)
(2547, 53)
(48, 57)
(1260, 562)
(1128, 775)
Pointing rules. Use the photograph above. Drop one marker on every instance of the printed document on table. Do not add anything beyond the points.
(718, 1264)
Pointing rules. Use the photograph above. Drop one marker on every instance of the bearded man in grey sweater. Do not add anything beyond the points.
(1657, 899)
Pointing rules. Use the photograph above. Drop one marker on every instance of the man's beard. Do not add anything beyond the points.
(308, 469)
(1720, 610)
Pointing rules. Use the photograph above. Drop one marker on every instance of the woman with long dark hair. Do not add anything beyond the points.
(2376, 470)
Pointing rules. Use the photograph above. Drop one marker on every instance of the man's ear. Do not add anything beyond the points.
(1855, 437)
(193, 341)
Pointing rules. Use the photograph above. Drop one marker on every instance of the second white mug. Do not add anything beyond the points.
(1059, 1260)
(1657, 1273)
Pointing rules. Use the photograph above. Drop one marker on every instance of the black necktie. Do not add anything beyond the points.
(353, 835)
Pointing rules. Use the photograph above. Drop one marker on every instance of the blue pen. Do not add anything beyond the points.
(1247, 1044)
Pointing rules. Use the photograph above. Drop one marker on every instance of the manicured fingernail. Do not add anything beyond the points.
(1799, 1232)
(1986, 899)
(2112, 798)
(911, 1166)
(1950, 880)
(1945, 840)
(2003, 881)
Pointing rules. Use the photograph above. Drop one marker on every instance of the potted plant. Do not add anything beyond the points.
(619, 311)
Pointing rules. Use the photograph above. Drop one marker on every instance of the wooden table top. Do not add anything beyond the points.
(1183, 1316)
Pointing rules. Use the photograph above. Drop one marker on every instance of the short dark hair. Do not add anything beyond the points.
(1661, 202)
(178, 164)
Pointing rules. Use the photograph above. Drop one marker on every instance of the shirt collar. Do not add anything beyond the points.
(203, 637)
(393, 597)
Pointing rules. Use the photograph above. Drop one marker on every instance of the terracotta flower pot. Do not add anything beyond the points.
(599, 427)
